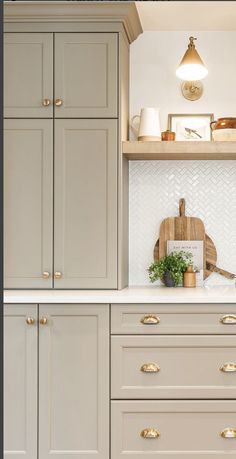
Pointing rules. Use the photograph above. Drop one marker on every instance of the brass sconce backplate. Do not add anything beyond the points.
(192, 90)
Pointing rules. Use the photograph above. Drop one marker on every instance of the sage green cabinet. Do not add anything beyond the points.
(85, 220)
(66, 200)
(28, 75)
(20, 381)
(85, 204)
(74, 381)
(28, 203)
(56, 398)
(86, 75)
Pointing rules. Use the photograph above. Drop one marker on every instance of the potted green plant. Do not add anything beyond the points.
(170, 269)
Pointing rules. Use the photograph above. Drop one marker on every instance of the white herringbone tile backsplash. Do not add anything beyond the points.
(209, 188)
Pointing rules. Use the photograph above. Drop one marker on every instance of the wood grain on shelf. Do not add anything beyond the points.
(136, 150)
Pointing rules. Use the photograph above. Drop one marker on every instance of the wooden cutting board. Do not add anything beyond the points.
(184, 228)
(181, 228)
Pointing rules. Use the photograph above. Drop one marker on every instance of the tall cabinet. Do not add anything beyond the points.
(66, 113)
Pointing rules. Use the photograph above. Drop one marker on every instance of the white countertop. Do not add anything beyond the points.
(152, 294)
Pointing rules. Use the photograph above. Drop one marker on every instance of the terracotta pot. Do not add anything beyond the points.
(223, 123)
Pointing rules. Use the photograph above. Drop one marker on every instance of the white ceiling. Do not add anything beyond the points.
(187, 15)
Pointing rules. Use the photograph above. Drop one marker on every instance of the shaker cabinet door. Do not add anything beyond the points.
(86, 75)
(28, 158)
(28, 75)
(20, 381)
(73, 381)
(85, 204)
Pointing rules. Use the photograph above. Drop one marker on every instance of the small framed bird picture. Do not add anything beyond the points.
(191, 126)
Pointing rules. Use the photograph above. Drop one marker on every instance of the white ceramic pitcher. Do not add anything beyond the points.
(147, 125)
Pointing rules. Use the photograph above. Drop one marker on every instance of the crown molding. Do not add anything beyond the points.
(72, 11)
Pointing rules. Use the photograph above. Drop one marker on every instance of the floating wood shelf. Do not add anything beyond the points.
(179, 150)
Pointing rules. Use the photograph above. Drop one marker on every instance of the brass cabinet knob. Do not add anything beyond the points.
(228, 367)
(43, 320)
(150, 368)
(229, 319)
(46, 275)
(58, 102)
(150, 433)
(46, 102)
(57, 275)
(30, 320)
(150, 319)
(229, 432)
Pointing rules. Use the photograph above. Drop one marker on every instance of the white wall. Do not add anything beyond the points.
(156, 186)
(154, 57)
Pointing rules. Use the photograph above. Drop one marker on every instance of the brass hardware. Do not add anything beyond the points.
(58, 102)
(57, 275)
(229, 432)
(191, 68)
(150, 433)
(43, 320)
(192, 90)
(150, 319)
(228, 367)
(230, 319)
(46, 275)
(46, 102)
(30, 320)
(150, 368)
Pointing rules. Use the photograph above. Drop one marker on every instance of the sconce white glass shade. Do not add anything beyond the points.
(191, 67)
(191, 72)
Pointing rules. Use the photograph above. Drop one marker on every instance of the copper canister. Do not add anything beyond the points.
(168, 135)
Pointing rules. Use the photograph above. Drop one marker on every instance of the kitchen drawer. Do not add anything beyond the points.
(173, 319)
(187, 429)
(173, 367)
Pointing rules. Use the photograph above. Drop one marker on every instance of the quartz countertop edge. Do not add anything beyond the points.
(138, 295)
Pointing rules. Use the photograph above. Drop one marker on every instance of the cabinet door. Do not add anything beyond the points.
(85, 238)
(74, 381)
(20, 381)
(86, 75)
(28, 75)
(28, 158)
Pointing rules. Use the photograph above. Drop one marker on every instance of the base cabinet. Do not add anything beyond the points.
(57, 405)
(20, 381)
(172, 396)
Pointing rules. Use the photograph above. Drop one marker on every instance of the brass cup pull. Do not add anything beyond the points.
(150, 319)
(230, 319)
(43, 320)
(229, 432)
(228, 367)
(58, 102)
(30, 320)
(150, 433)
(46, 275)
(57, 275)
(150, 368)
(46, 102)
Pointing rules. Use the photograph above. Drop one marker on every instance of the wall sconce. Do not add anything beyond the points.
(191, 69)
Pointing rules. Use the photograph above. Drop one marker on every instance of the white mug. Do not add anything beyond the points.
(149, 124)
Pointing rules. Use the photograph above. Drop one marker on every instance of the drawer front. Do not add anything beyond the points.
(184, 429)
(153, 319)
(173, 367)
